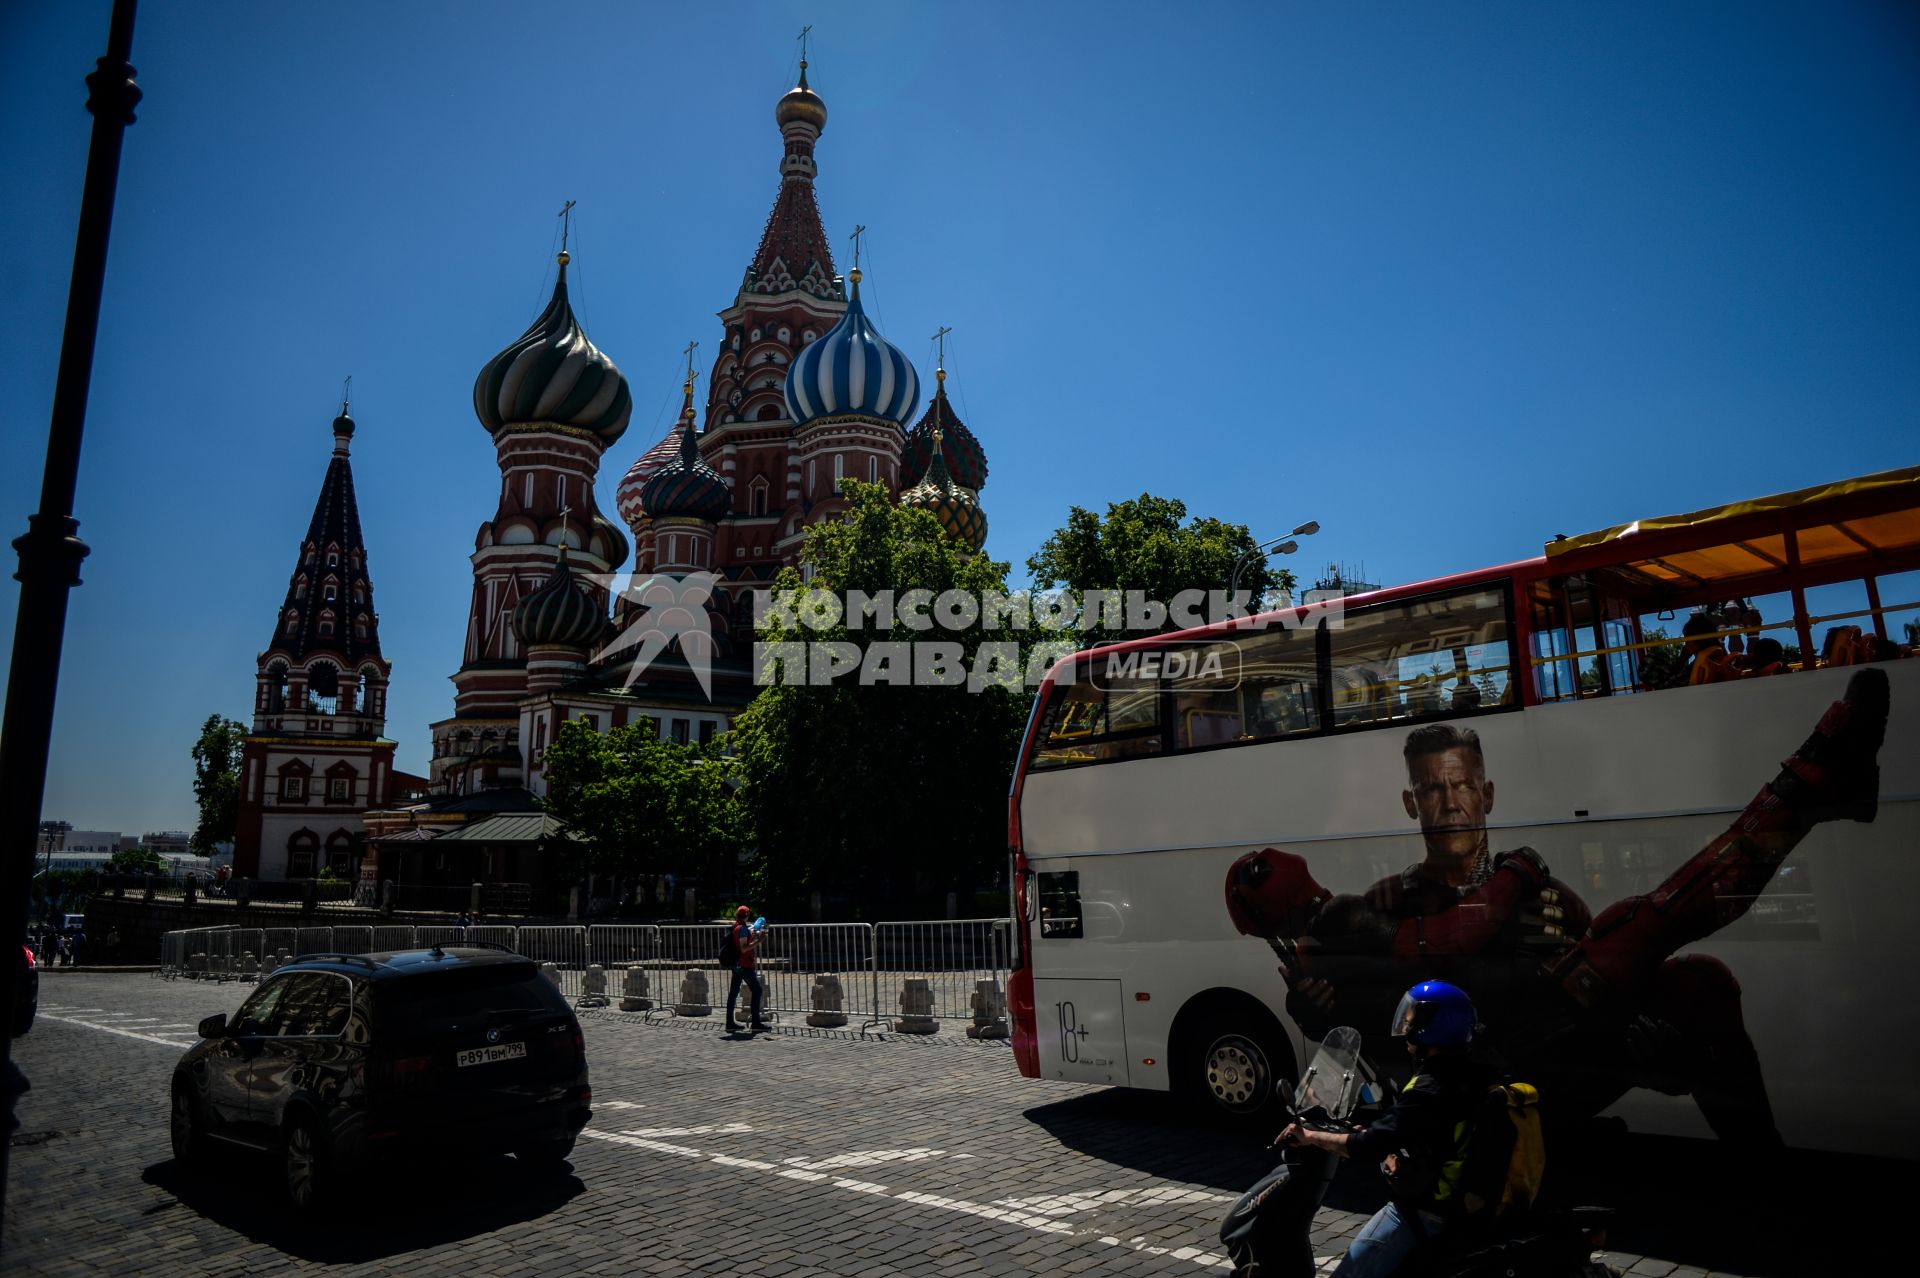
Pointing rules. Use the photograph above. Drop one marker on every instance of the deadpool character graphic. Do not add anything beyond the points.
(1589, 1006)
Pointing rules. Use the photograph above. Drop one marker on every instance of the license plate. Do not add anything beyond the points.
(488, 1055)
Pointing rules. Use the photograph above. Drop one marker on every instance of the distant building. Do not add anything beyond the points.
(167, 842)
(89, 842)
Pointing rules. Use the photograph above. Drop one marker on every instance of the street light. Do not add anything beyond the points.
(1281, 545)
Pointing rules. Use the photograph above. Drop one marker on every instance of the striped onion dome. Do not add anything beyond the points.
(560, 613)
(852, 370)
(686, 486)
(957, 508)
(554, 374)
(618, 547)
(966, 459)
(627, 497)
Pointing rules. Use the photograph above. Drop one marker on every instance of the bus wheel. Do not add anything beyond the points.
(1232, 1060)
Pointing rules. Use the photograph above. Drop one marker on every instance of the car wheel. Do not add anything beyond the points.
(304, 1156)
(546, 1155)
(186, 1128)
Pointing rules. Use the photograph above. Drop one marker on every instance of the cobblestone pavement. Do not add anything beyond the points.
(785, 1154)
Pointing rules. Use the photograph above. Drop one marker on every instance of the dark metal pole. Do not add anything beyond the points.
(51, 550)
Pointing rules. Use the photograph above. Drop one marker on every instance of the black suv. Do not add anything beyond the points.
(337, 1059)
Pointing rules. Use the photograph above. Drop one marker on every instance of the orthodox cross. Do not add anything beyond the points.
(566, 224)
(691, 348)
(858, 231)
(346, 394)
(803, 45)
(940, 341)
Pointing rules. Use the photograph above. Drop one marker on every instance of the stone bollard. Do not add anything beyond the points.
(196, 965)
(829, 1003)
(552, 972)
(694, 998)
(635, 996)
(595, 987)
(916, 1008)
(249, 966)
(989, 1011)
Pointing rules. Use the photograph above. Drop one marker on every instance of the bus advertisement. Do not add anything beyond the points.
(1652, 798)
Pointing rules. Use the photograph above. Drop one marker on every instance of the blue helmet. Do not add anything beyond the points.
(1435, 1014)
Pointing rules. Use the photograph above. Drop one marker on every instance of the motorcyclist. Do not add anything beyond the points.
(1422, 1141)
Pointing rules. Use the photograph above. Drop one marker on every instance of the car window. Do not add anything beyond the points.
(255, 1016)
(465, 999)
(316, 1004)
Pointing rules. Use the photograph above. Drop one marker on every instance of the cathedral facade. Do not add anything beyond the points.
(803, 394)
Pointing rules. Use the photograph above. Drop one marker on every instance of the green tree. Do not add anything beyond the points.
(878, 786)
(136, 861)
(216, 781)
(634, 805)
(1148, 544)
(1661, 662)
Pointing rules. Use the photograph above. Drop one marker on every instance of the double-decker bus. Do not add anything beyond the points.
(1230, 837)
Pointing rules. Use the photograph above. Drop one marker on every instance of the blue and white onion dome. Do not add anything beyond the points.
(552, 373)
(560, 613)
(852, 371)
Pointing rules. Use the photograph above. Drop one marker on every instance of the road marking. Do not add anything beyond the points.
(708, 1129)
(866, 1158)
(984, 1211)
(1068, 1204)
(113, 1029)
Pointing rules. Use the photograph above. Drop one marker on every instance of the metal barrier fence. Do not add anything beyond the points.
(911, 975)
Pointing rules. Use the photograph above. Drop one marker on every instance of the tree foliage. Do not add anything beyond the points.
(882, 791)
(635, 805)
(216, 781)
(1148, 544)
(136, 861)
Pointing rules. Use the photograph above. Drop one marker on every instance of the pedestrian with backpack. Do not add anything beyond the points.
(737, 953)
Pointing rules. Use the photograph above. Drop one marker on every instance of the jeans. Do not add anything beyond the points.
(1385, 1243)
(751, 979)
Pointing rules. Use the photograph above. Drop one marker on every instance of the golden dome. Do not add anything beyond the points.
(801, 103)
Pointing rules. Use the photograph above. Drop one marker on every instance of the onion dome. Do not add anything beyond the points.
(618, 547)
(852, 370)
(965, 458)
(686, 486)
(801, 105)
(560, 613)
(627, 496)
(957, 508)
(554, 374)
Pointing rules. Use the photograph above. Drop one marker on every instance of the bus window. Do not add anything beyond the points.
(1422, 658)
(1089, 724)
(1205, 681)
(1060, 906)
(1278, 677)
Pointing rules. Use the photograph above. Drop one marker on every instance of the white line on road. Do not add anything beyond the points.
(1005, 1215)
(113, 1029)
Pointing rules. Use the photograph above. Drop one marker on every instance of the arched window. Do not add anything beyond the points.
(323, 685)
(873, 470)
(302, 845)
(340, 854)
(276, 688)
(757, 497)
(768, 413)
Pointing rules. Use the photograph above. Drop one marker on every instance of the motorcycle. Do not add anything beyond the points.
(1267, 1231)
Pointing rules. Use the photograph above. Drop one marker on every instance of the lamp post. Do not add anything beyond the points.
(51, 550)
(1281, 545)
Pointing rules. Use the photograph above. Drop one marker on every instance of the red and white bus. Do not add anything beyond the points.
(1313, 770)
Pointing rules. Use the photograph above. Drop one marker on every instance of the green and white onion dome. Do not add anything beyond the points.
(686, 486)
(560, 613)
(554, 374)
(852, 370)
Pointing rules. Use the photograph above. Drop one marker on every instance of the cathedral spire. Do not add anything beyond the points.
(793, 252)
(329, 602)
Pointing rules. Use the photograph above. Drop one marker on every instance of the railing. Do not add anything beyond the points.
(912, 976)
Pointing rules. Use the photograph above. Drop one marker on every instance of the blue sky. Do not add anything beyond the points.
(1447, 278)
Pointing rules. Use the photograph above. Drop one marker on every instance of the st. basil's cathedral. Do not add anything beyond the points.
(804, 393)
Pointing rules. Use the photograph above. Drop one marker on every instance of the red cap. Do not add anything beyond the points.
(742, 912)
